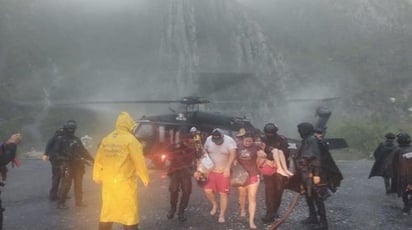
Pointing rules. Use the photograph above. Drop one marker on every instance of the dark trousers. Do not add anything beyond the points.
(394, 181)
(407, 201)
(180, 180)
(56, 176)
(316, 206)
(78, 173)
(108, 226)
(66, 173)
(274, 186)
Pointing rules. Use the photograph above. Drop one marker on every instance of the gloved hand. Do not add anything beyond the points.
(316, 179)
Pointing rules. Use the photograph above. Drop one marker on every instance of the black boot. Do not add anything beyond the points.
(173, 203)
(181, 212)
(406, 209)
(269, 218)
(310, 220)
(322, 226)
(181, 216)
(323, 222)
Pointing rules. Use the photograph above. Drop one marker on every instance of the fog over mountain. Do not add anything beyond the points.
(251, 58)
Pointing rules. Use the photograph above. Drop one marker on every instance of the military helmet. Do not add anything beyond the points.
(270, 128)
(70, 126)
(403, 138)
(390, 136)
(305, 129)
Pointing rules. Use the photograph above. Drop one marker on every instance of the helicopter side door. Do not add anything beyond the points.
(157, 140)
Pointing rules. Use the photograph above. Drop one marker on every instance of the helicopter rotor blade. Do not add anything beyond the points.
(118, 102)
(185, 101)
(313, 99)
(188, 101)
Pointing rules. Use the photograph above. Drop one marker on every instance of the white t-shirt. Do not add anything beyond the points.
(220, 153)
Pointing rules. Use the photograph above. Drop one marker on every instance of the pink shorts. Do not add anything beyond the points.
(217, 182)
(252, 180)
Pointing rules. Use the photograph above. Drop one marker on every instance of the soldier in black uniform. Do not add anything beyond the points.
(275, 184)
(50, 155)
(403, 163)
(318, 173)
(71, 156)
(383, 163)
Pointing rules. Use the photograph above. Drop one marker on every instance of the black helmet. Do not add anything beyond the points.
(70, 126)
(390, 136)
(59, 132)
(318, 130)
(305, 129)
(403, 138)
(270, 128)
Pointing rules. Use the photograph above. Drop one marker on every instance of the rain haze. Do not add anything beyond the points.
(268, 60)
(271, 61)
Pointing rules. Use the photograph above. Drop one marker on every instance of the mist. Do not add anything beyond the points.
(270, 60)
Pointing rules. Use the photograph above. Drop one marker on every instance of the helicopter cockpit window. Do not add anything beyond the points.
(144, 131)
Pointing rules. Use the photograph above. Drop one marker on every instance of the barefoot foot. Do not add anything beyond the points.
(213, 211)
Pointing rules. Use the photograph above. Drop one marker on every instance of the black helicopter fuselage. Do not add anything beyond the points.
(204, 121)
(159, 132)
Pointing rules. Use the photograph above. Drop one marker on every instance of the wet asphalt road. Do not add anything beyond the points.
(359, 204)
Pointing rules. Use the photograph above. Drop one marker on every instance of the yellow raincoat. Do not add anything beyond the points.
(118, 163)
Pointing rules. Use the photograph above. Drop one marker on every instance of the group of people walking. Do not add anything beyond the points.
(119, 161)
(393, 162)
(315, 173)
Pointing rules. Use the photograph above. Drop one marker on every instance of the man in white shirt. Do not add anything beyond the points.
(222, 149)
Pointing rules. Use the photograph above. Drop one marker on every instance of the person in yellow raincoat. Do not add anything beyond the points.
(118, 163)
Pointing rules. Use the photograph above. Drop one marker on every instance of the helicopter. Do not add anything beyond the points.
(159, 132)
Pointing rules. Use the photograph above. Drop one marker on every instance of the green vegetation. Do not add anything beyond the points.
(363, 135)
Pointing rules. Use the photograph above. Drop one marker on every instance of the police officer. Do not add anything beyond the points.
(309, 167)
(274, 185)
(50, 155)
(72, 156)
